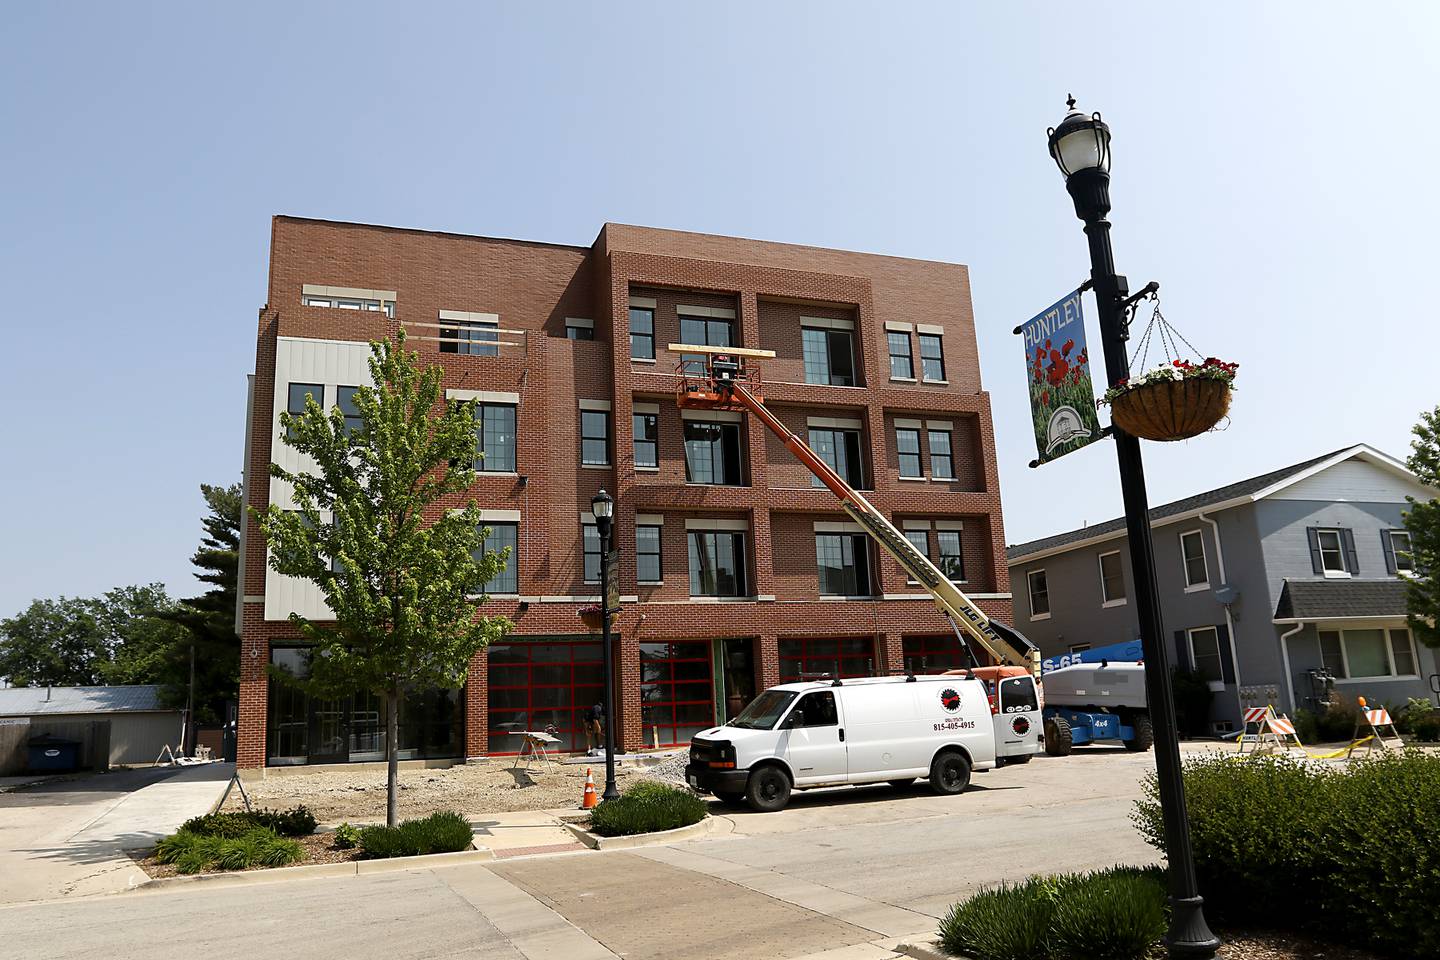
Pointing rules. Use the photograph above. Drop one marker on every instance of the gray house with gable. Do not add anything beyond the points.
(1261, 582)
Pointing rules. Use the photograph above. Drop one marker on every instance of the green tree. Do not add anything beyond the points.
(209, 619)
(398, 570)
(1422, 521)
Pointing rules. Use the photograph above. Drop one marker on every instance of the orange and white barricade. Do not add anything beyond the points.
(1272, 732)
(1374, 726)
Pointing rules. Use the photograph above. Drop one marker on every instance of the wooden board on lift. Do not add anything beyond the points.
(728, 351)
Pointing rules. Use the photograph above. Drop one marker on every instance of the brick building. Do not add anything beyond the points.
(737, 569)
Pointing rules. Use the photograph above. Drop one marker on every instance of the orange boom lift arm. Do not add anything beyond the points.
(719, 378)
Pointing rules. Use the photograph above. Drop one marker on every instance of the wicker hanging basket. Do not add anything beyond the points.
(592, 617)
(1171, 409)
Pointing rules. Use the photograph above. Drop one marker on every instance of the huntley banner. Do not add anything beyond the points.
(1057, 368)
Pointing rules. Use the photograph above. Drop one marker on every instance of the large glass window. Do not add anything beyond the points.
(934, 654)
(920, 540)
(539, 686)
(595, 438)
(829, 356)
(648, 568)
(952, 559)
(840, 449)
(677, 698)
(1112, 578)
(712, 452)
(932, 358)
(717, 563)
(1039, 594)
(1192, 551)
(345, 399)
(579, 330)
(590, 547)
(1205, 652)
(474, 338)
(836, 656)
(503, 536)
(647, 440)
(642, 333)
(495, 438)
(844, 563)
(902, 363)
(295, 398)
(707, 331)
(942, 459)
(351, 303)
(1402, 653)
(907, 446)
(1358, 653)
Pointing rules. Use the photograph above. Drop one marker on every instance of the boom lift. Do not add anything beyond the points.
(719, 378)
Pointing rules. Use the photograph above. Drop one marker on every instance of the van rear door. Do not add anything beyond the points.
(813, 739)
(1017, 717)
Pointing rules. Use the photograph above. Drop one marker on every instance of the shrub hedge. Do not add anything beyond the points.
(295, 822)
(647, 807)
(1115, 914)
(442, 832)
(1348, 853)
(193, 852)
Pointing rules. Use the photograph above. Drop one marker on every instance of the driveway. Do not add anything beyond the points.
(68, 838)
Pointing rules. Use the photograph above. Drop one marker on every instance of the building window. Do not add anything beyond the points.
(295, 399)
(1356, 654)
(1039, 595)
(648, 568)
(676, 693)
(932, 358)
(920, 540)
(495, 438)
(345, 400)
(590, 549)
(840, 449)
(712, 453)
(473, 338)
(707, 331)
(942, 460)
(351, 303)
(829, 356)
(1205, 653)
(595, 438)
(902, 363)
(647, 442)
(1192, 552)
(579, 330)
(1397, 549)
(502, 536)
(540, 686)
(907, 446)
(933, 654)
(952, 559)
(1328, 551)
(844, 563)
(1112, 579)
(642, 333)
(841, 657)
(717, 563)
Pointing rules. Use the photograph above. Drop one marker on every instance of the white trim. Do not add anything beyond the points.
(838, 526)
(1285, 656)
(1105, 599)
(645, 408)
(903, 380)
(1204, 559)
(827, 323)
(644, 469)
(499, 516)
(716, 313)
(920, 479)
(933, 329)
(949, 524)
(644, 303)
(713, 416)
(649, 519)
(347, 293)
(596, 466)
(1190, 644)
(469, 317)
(938, 383)
(904, 424)
(717, 523)
(914, 524)
(649, 360)
(484, 396)
(580, 322)
(946, 425)
(1395, 554)
(601, 405)
(899, 326)
(834, 423)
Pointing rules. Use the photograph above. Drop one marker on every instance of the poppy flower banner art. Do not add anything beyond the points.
(1057, 369)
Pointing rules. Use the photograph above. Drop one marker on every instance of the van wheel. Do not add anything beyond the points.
(1144, 733)
(768, 789)
(1057, 737)
(730, 799)
(902, 784)
(950, 773)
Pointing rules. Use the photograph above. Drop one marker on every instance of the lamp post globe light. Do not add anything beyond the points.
(603, 508)
(1080, 146)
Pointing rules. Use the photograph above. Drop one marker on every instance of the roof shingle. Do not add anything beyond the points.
(1332, 599)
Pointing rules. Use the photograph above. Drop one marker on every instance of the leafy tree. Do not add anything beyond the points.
(1422, 521)
(209, 619)
(370, 529)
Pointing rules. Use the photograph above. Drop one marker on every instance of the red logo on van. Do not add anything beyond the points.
(1021, 726)
(950, 699)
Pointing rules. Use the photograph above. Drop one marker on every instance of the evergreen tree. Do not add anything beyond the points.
(1422, 521)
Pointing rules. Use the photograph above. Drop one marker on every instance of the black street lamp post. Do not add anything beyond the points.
(603, 506)
(1081, 148)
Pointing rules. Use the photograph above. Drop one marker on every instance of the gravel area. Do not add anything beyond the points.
(358, 796)
(1283, 946)
(318, 849)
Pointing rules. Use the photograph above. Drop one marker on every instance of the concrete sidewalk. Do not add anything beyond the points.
(70, 838)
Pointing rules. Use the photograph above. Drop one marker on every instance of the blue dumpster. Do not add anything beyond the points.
(52, 754)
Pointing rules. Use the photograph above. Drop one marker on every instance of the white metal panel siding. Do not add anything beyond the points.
(1354, 481)
(333, 363)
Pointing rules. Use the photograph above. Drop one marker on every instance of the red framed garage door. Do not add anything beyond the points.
(535, 685)
(838, 656)
(677, 691)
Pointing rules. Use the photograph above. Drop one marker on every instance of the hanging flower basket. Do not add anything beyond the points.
(592, 615)
(1176, 402)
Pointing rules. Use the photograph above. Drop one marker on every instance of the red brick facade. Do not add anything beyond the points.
(534, 287)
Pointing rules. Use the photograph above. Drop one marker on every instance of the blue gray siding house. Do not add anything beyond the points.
(1261, 582)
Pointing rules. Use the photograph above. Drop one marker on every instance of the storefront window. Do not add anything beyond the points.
(676, 693)
(836, 656)
(535, 686)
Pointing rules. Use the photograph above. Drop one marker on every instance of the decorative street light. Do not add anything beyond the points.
(603, 506)
(1080, 146)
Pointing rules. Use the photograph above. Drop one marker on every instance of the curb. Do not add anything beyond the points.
(596, 842)
(348, 868)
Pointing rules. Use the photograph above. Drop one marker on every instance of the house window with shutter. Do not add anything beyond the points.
(1332, 552)
(1205, 653)
(1398, 559)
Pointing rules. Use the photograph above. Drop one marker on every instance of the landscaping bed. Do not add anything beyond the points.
(317, 847)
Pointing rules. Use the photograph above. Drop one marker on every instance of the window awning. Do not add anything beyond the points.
(1340, 600)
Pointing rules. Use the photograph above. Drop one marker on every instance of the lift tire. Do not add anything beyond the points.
(768, 789)
(950, 773)
(1144, 733)
(730, 799)
(1057, 737)
(902, 784)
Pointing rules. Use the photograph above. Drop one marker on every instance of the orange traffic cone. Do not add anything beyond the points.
(589, 798)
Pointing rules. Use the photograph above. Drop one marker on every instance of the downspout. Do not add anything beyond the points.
(1285, 654)
(1229, 621)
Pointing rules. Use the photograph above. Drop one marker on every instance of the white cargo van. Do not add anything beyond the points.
(877, 730)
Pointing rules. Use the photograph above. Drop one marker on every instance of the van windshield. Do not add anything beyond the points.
(764, 711)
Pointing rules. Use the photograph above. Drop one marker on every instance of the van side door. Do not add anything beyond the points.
(813, 739)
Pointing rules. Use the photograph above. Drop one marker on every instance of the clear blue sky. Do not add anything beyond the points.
(1274, 169)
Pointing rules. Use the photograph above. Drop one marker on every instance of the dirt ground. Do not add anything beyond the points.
(1281, 946)
(358, 796)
